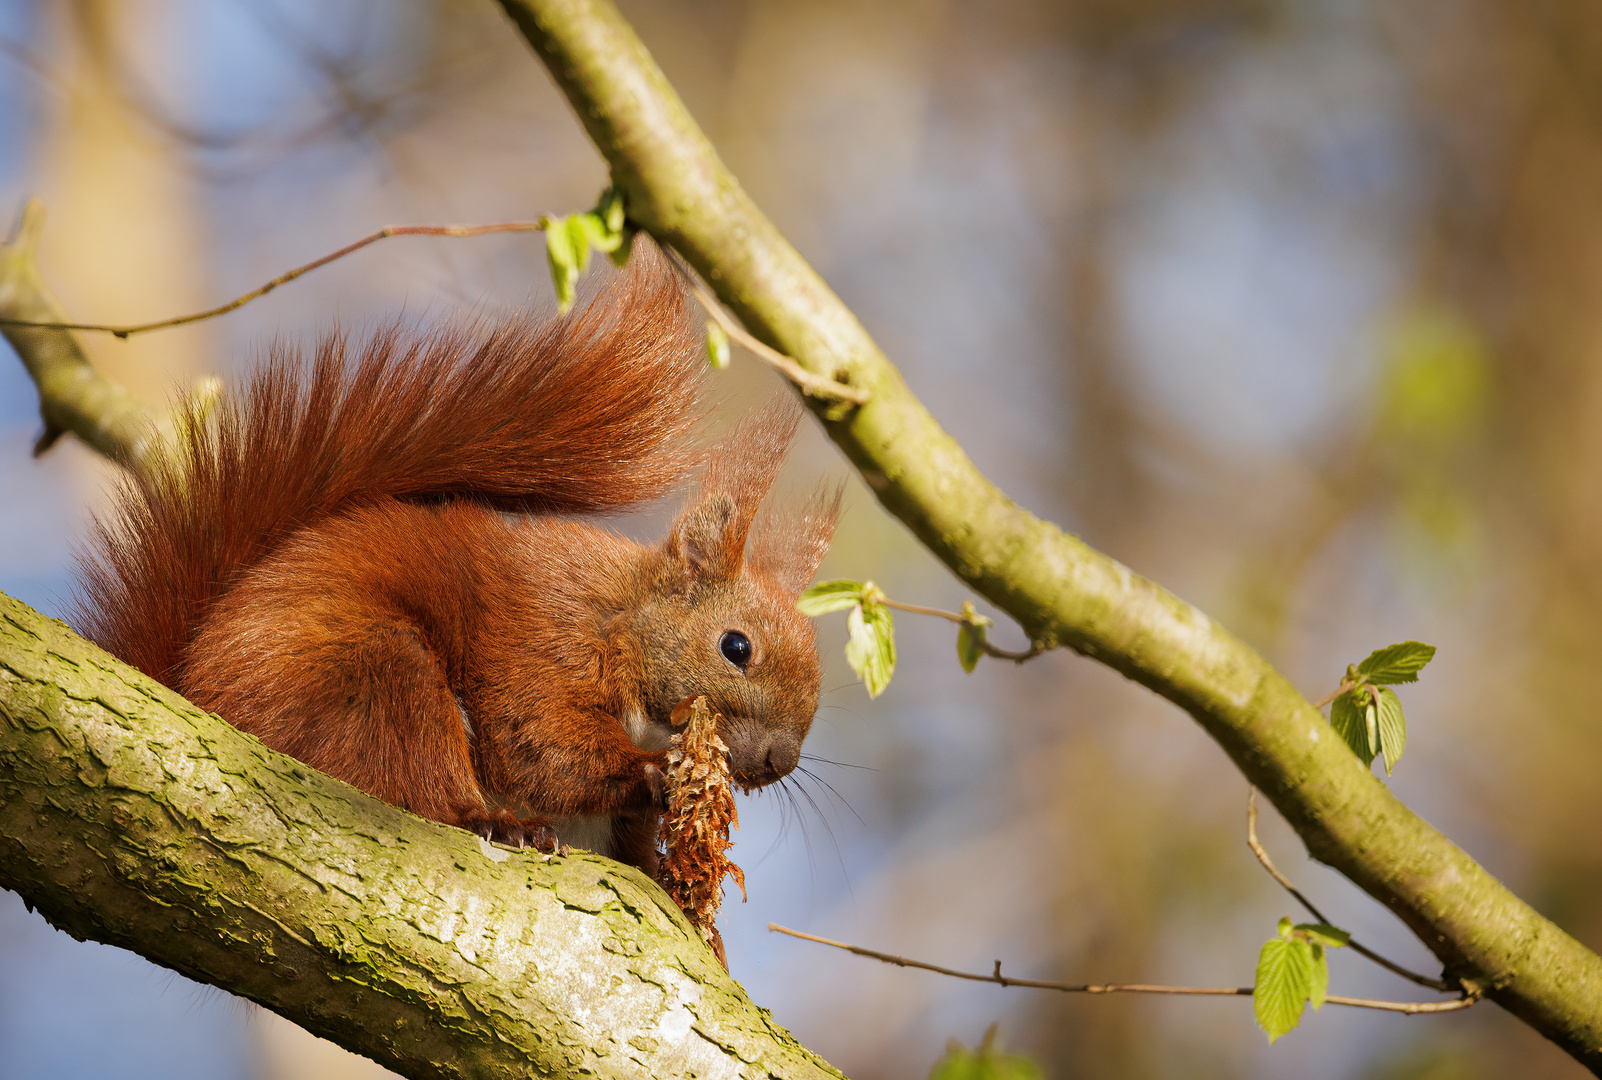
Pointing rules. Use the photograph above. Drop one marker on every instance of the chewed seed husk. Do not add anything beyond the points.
(695, 828)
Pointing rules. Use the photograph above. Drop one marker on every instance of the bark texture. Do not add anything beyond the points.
(130, 817)
(1059, 589)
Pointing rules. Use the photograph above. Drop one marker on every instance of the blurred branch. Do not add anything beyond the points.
(1351, 943)
(73, 396)
(1412, 1008)
(129, 816)
(538, 225)
(1058, 588)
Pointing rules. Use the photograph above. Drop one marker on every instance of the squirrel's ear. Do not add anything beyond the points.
(787, 546)
(709, 537)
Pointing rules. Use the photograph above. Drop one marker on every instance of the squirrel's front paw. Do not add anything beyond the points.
(656, 783)
(501, 826)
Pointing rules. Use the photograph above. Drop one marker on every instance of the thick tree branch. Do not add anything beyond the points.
(1058, 588)
(130, 817)
(73, 396)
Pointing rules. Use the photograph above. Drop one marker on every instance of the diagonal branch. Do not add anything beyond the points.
(1058, 588)
(131, 817)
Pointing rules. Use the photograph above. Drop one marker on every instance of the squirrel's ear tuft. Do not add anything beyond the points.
(787, 546)
(709, 537)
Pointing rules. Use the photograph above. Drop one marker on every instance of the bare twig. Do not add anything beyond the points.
(1331, 696)
(815, 385)
(968, 618)
(1361, 950)
(537, 225)
(1408, 1007)
(812, 384)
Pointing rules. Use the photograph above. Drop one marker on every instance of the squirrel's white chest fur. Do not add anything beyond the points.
(593, 832)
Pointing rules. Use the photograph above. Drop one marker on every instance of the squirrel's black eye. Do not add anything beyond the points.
(735, 647)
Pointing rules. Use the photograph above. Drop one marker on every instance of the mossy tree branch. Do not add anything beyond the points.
(1058, 588)
(129, 816)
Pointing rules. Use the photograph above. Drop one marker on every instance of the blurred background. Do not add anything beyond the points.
(1294, 306)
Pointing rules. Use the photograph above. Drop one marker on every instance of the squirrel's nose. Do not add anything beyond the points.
(784, 753)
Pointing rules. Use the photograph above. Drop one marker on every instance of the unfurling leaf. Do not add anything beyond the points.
(1399, 663)
(717, 346)
(1392, 728)
(970, 645)
(871, 648)
(567, 259)
(589, 227)
(1319, 989)
(1283, 985)
(612, 232)
(611, 209)
(827, 596)
(1331, 937)
(1346, 717)
(625, 244)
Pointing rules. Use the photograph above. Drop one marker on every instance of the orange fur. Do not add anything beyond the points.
(330, 565)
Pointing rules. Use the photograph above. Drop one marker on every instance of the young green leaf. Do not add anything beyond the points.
(1332, 937)
(610, 209)
(620, 254)
(565, 258)
(1346, 717)
(871, 647)
(1392, 728)
(1283, 985)
(717, 346)
(612, 232)
(970, 645)
(827, 596)
(1399, 663)
(596, 235)
(580, 227)
(1371, 725)
(1319, 990)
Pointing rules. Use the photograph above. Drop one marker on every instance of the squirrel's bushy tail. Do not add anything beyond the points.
(590, 412)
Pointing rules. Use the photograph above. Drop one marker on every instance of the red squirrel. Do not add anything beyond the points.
(329, 563)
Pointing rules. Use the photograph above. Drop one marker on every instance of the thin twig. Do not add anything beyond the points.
(1034, 650)
(1002, 980)
(1361, 950)
(999, 979)
(919, 609)
(816, 385)
(537, 225)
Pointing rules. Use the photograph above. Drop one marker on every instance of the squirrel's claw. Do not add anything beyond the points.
(501, 826)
